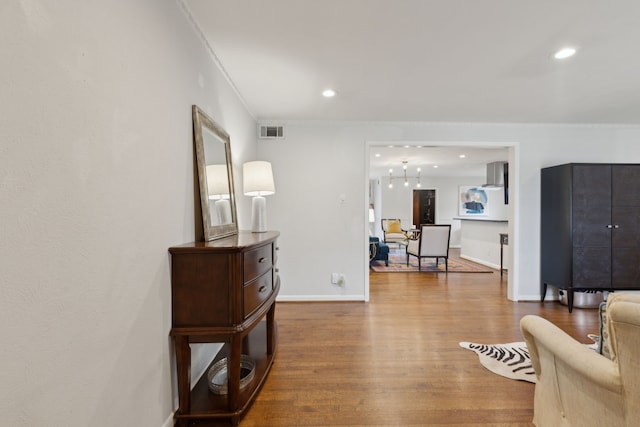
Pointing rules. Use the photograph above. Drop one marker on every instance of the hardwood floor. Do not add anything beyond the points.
(395, 361)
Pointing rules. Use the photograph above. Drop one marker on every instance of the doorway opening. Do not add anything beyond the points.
(444, 167)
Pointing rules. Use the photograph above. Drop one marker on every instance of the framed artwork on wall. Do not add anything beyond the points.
(483, 203)
(473, 201)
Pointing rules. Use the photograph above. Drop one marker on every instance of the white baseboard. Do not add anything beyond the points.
(479, 261)
(536, 298)
(329, 298)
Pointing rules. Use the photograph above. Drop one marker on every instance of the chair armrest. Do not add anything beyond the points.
(413, 246)
(413, 234)
(577, 357)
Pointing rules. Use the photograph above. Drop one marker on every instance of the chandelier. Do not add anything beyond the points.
(405, 178)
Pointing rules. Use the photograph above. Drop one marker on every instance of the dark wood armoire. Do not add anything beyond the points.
(590, 228)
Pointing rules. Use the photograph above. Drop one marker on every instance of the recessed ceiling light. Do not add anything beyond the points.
(328, 93)
(462, 156)
(435, 166)
(377, 154)
(564, 53)
(407, 146)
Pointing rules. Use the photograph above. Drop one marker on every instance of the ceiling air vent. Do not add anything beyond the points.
(270, 132)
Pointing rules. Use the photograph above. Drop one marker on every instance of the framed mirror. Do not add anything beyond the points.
(215, 177)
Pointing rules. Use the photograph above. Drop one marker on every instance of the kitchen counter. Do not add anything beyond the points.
(480, 241)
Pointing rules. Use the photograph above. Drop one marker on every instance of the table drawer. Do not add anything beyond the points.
(256, 292)
(257, 262)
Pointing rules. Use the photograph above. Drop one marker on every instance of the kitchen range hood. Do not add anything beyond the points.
(496, 172)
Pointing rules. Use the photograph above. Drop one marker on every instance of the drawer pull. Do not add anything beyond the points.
(261, 260)
(262, 289)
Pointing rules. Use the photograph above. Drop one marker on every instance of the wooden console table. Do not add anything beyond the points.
(224, 291)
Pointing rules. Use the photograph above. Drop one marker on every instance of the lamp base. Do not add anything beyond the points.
(259, 214)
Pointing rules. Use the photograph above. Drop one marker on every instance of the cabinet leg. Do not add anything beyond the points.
(183, 368)
(271, 316)
(570, 299)
(233, 372)
(543, 291)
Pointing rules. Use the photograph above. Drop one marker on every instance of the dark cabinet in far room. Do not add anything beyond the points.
(590, 228)
(424, 207)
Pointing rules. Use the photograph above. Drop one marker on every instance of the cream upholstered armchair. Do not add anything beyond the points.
(577, 386)
(432, 242)
(393, 231)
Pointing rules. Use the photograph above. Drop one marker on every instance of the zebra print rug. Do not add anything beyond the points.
(509, 360)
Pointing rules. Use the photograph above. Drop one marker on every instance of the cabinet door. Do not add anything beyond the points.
(626, 223)
(556, 250)
(424, 207)
(591, 218)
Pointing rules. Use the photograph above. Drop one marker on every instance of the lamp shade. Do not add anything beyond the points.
(257, 179)
(217, 182)
(372, 216)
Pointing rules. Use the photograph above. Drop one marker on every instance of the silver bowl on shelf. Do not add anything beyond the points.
(217, 374)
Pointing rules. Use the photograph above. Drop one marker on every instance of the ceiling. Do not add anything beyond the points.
(434, 161)
(428, 60)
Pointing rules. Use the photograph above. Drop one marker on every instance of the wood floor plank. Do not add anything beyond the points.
(395, 361)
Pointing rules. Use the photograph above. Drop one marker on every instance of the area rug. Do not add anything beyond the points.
(509, 360)
(398, 263)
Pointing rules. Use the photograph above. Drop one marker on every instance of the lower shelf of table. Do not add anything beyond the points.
(206, 405)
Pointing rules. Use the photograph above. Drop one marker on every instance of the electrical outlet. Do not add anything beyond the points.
(334, 278)
(342, 280)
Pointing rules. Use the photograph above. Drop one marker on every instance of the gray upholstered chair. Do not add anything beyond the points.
(432, 242)
(577, 386)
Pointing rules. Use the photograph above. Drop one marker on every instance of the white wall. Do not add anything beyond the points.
(96, 182)
(321, 210)
(317, 162)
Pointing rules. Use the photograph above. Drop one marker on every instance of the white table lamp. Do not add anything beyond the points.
(258, 182)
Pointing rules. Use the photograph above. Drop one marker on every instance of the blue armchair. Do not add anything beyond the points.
(378, 251)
